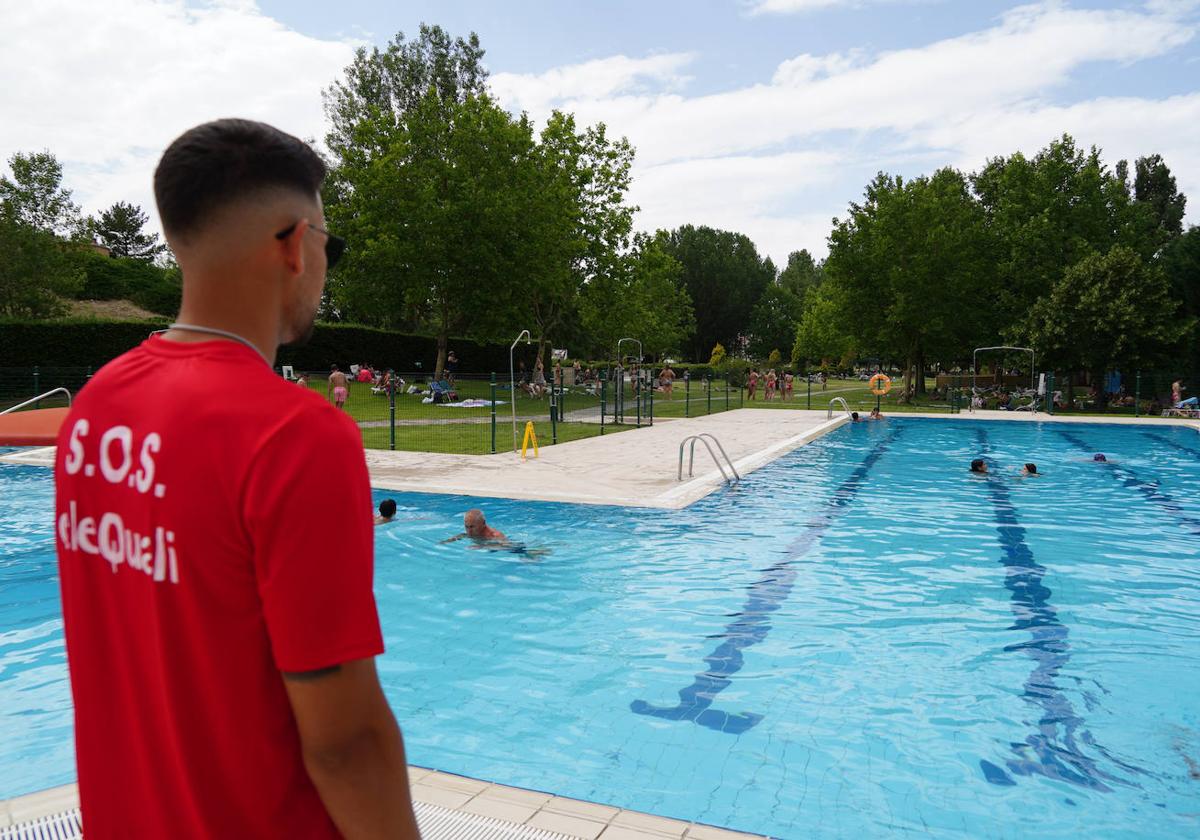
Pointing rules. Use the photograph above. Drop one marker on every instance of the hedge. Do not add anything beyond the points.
(80, 343)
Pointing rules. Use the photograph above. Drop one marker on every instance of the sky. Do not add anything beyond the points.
(766, 117)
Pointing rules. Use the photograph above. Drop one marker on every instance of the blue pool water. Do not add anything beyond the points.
(861, 639)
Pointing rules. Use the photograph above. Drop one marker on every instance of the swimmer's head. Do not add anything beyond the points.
(978, 466)
(1099, 456)
(474, 523)
(387, 508)
(1031, 469)
(854, 416)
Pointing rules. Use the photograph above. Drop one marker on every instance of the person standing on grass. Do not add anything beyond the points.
(788, 383)
(771, 379)
(338, 388)
(221, 654)
(667, 378)
(751, 383)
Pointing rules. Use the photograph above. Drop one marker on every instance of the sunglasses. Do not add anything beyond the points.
(335, 246)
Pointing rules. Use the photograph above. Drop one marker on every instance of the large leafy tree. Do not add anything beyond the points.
(910, 269)
(1110, 311)
(773, 320)
(578, 219)
(439, 222)
(820, 336)
(1181, 264)
(643, 298)
(121, 229)
(1154, 187)
(724, 276)
(37, 269)
(35, 196)
(801, 273)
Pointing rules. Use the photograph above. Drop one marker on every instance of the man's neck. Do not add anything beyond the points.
(261, 332)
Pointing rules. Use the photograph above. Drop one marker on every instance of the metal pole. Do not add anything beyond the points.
(808, 377)
(1050, 392)
(708, 391)
(392, 413)
(637, 393)
(603, 399)
(37, 388)
(687, 393)
(553, 414)
(512, 383)
(493, 412)
(726, 392)
(1137, 395)
(651, 405)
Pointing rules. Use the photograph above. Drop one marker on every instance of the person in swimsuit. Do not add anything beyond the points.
(667, 379)
(875, 414)
(387, 511)
(788, 382)
(1029, 469)
(979, 466)
(771, 379)
(1177, 389)
(752, 384)
(337, 387)
(476, 528)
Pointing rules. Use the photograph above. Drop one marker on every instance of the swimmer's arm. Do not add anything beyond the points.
(353, 750)
(455, 538)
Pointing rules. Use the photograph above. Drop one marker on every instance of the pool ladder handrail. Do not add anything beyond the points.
(705, 437)
(38, 399)
(845, 405)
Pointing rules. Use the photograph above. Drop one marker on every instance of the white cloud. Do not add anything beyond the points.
(958, 100)
(791, 7)
(106, 86)
(597, 79)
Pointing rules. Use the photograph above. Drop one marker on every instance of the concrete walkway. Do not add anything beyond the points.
(636, 467)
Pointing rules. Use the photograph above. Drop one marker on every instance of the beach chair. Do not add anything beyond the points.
(289, 373)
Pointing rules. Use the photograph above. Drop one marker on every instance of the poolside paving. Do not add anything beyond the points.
(636, 468)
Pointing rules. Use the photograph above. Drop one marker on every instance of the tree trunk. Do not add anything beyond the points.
(921, 372)
(906, 393)
(443, 340)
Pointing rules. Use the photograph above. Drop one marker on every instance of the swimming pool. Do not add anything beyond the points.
(860, 639)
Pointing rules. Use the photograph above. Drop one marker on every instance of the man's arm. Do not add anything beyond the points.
(353, 750)
(455, 538)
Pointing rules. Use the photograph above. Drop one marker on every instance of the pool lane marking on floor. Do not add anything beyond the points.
(1159, 436)
(1045, 752)
(766, 595)
(1129, 478)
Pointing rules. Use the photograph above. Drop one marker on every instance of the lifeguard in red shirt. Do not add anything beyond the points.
(221, 653)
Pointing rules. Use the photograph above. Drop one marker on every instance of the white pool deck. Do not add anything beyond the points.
(634, 468)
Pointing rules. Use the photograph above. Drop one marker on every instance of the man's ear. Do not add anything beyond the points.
(292, 248)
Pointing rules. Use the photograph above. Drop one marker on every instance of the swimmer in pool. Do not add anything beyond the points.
(387, 511)
(854, 418)
(1029, 469)
(476, 528)
(979, 466)
(875, 414)
(1099, 458)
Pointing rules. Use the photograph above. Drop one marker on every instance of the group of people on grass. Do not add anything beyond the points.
(781, 383)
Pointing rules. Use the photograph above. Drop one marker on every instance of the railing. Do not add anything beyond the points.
(38, 399)
(845, 407)
(705, 437)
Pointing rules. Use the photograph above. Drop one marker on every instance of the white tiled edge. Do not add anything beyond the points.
(518, 806)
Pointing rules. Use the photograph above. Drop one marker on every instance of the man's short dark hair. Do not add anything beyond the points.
(220, 162)
(977, 465)
(387, 508)
(1031, 469)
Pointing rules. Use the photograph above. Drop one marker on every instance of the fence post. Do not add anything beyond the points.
(651, 405)
(603, 399)
(687, 393)
(742, 395)
(708, 391)
(37, 389)
(553, 414)
(726, 393)
(808, 379)
(392, 414)
(493, 412)
(638, 395)
(1137, 395)
(1049, 392)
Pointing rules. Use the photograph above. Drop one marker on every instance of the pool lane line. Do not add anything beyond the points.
(1129, 478)
(1159, 436)
(766, 595)
(1051, 751)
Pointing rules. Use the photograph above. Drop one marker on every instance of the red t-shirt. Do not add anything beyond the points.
(214, 529)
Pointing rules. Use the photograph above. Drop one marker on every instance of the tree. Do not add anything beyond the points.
(366, 109)
(37, 269)
(34, 196)
(642, 299)
(1108, 312)
(1181, 265)
(819, 337)
(578, 218)
(724, 277)
(1154, 187)
(773, 320)
(909, 269)
(800, 274)
(119, 228)
(440, 222)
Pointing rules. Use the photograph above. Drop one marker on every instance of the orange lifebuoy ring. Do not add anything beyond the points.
(884, 384)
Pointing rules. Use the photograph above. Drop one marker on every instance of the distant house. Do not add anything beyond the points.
(101, 249)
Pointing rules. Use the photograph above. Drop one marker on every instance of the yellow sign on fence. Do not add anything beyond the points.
(530, 436)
